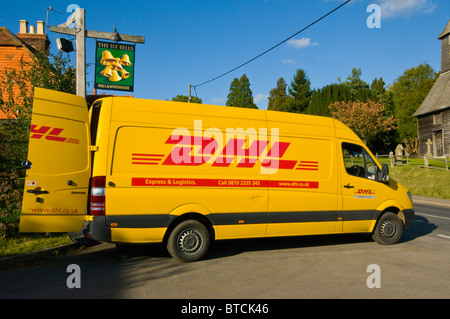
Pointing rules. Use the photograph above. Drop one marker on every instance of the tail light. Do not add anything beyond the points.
(97, 206)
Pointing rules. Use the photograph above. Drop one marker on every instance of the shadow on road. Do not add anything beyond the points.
(419, 227)
(226, 248)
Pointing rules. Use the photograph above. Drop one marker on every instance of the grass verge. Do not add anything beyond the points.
(18, 243)
(422, 181)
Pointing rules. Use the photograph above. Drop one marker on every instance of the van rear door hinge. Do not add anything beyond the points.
(93, 148)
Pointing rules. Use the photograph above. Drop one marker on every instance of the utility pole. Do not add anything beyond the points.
(80, 42)
(81, 34)
(189, 96)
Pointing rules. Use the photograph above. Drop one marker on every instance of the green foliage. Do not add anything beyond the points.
(355, 83)
(240, 93)
(278, 97)
(354, 89)
(408, 92)
(16, 95)
(184, 98)
(322, 98)
(422, 181)
(299, 97)
(53, 72)
(300, 93)
(378, 88)
(400, 100)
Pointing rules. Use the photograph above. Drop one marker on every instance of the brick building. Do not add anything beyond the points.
(22, 46)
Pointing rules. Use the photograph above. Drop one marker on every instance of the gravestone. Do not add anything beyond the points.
(399, 152)
(429, 143)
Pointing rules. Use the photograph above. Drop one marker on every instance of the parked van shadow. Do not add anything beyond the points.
(142, 250)
(419, 227)
(227, 248)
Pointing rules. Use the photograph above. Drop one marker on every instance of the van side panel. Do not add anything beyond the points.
(158, 172)
(247, 173)
(308, 204)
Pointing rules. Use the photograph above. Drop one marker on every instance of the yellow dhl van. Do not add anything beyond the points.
(144, 171)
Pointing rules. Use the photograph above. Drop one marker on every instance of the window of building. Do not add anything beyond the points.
(437, 118)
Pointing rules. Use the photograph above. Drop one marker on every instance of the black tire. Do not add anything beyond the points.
(388, 230)
(189, 241)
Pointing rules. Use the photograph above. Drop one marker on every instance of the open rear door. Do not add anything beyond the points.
(57, 183)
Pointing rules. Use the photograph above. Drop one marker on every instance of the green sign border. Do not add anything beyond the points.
(117, 50)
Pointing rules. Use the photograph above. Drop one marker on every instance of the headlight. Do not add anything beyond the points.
(410, 196)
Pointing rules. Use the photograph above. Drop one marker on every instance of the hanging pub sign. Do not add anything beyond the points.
(114, 66)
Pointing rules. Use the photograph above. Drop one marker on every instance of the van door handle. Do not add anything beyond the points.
(348, 186)
(37, 191)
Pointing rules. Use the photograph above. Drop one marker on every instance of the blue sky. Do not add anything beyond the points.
(197, 40)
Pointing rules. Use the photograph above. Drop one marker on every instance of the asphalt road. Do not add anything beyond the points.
(286, 268)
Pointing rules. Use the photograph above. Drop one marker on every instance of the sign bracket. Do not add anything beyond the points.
(81, 34)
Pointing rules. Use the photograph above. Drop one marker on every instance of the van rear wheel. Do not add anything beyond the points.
(388, 230)
(189, 241)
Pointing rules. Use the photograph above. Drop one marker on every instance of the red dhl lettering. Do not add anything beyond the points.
(365, 192)
(197, 150)
(51, 134)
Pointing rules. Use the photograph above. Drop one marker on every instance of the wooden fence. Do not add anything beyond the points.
(425, 162)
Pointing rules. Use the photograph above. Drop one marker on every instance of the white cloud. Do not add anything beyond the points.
(301, 43)
(217, 100)
(288, 61)
(260, 97)
(395, 8)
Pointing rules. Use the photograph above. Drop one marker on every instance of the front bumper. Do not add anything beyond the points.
(409, 216)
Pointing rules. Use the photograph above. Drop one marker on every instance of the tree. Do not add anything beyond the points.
(322, 98)
(377, 88)
(184, 98)
(354, 81)
(300, 93)
(388, 140)
(278, 98)
(365, 119)
(240, 93)
(16, 96)
(408, 92)
(44, 71)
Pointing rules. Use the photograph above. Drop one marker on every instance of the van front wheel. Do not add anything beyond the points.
(188, 241)
(388, 230)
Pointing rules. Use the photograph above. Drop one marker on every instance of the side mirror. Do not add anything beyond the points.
(383, 174)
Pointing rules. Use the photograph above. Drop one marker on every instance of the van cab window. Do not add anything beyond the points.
(358, 162)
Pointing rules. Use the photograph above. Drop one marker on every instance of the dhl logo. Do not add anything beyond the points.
(365, 192)
(197, 150)
(51, 134)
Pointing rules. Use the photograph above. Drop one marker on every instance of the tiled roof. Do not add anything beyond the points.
(438, 98)
(445, 31)
(12, 51)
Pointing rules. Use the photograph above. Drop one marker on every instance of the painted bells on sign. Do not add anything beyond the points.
(114, 66)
